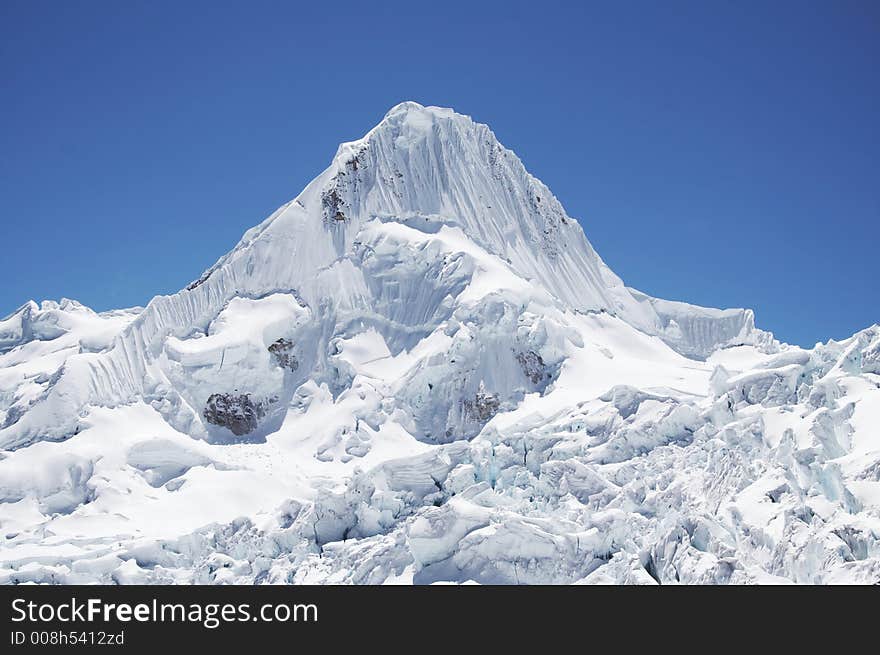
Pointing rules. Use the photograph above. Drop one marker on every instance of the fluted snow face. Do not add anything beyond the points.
(429, 169)
(429, 166)
(420, 362)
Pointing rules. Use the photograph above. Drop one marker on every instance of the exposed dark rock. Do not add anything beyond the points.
(201, 280)
(239, 413)
(333, 205)
(282, 351)
(346, 182)
(532, 365)
(482, 407)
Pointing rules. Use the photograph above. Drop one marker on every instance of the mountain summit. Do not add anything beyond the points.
(421, 361)
(428, 167)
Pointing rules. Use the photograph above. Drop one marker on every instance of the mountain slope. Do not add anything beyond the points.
(422, 364)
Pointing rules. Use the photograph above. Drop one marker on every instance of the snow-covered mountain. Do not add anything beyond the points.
(420, 370)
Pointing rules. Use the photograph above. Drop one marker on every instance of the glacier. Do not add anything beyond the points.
(420, 371)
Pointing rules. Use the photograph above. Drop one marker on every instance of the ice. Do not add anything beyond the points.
(420, 371)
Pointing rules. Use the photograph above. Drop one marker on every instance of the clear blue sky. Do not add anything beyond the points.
(724, 153)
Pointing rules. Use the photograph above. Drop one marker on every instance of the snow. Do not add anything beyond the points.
(420, 371)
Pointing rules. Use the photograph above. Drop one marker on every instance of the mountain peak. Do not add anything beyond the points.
(420, 370)
(405, 118)
(425, 185)
(405, 106)
(430, 168)
(410, 107)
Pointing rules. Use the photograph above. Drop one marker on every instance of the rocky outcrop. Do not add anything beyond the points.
(283, 352)
(532, 365)
(482, 407)
(238, 413)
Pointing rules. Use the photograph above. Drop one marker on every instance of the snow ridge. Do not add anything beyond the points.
(420, 370)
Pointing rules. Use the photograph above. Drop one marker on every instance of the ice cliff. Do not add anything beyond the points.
(420, 370)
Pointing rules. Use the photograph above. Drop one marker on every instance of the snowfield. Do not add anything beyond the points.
(420, 371)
